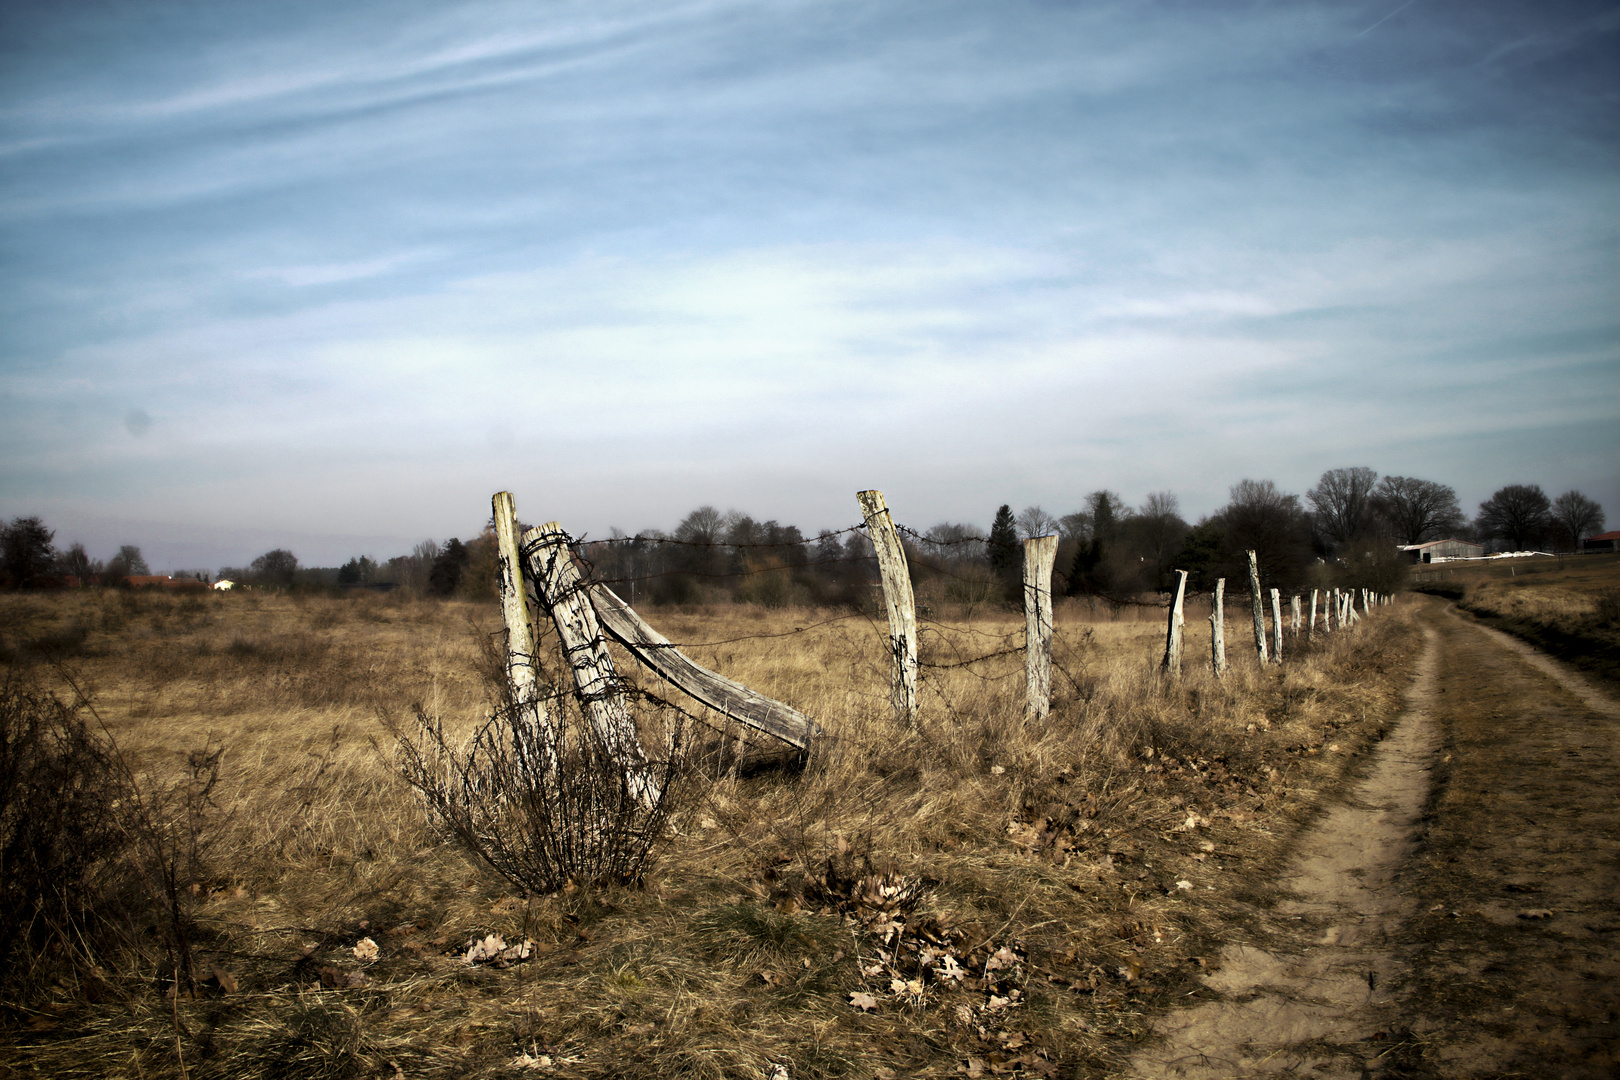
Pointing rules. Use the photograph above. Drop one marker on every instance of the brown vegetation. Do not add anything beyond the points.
(978, 894)
(1567, 605)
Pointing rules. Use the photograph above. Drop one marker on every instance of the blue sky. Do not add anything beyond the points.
(327, 276)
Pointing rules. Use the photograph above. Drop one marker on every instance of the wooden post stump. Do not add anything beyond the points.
(1040, 552)
(1217, 630)
(1276, 624)
(520, 634)
(601, 695)
(1172, 634)
(898, 599)
(1259, 609)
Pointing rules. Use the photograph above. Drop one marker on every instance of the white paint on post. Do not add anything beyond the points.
(601, 694)
(1277, 624)
(1172, 634)
(897, 597)
(1259, 609)
(1217, 629)
(1040, 552)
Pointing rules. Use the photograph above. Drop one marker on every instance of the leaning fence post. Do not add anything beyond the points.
(1040, 552)
(520, 635)
(1172, 634)
(897, 597)
(1276, 623)
(1259, 610)
(601, 693)
(1217, 630)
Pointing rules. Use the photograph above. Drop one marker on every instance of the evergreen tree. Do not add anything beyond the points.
(1005, 554)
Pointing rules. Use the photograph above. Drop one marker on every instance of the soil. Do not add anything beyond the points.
(1456, 912)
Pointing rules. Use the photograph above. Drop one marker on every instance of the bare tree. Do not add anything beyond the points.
(1033, 521)
(133, 560)
(275, 567)
(1577, 515)
(1518, 513)
(1159, 528)
(1417, 510)
(25, 552)
(1263, 518)
(1342, 499)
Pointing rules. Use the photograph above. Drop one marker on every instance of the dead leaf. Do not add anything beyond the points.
(336, 978)
(771, 979)
(641, 1029)
(366, 949)
(974, 1067)
(863, 1001)
(224, 980)
(1536, 913)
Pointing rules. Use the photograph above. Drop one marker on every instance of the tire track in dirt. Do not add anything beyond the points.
(1313, 999)
(1469, 930)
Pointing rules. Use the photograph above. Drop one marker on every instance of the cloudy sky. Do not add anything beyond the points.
(327, 275)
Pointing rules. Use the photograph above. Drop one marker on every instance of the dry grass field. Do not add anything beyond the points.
(977, 896)
(1566, 605)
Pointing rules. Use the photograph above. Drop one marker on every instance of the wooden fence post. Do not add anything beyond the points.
(1294, 615)
(1040, 552)
(897, 597)
(1259, 609)
(1310, 632)
(520, 635)
(1276, 623)
(1217, 630)
(1172, 635)
(601, 694)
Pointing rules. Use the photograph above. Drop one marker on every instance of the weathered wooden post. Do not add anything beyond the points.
(1293, 615)
(1040, 552)
(601, 694)
(1310, 633)
(1217, 630)
(520, 634)
(1259, 609)
(1172, 634)
(898, 598)
(1277, 623)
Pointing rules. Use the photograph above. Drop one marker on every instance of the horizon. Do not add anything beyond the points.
(326, 280)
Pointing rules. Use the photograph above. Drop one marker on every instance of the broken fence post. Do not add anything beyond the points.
(1040, 552)
(520, 634)
(1217, 630)
(1276, 624)
(1259, 610)
(1172, 635)
(601, 694)
(897, 597)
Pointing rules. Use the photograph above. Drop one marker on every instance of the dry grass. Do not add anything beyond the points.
(1567, 605)
(1047, 859)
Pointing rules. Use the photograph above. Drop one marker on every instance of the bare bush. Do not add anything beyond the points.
(543, 804)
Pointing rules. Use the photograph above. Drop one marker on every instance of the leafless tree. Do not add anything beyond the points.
(1578, 516)
(1263, 518)
(1033, 521)
(1417, 510)
(1518, 513)
(1342, 499)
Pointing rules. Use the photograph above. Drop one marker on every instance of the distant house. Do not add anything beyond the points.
(224, 584)
(1609, 541)
(1437, 551)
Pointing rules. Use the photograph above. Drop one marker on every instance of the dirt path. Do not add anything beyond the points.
(1453, 916)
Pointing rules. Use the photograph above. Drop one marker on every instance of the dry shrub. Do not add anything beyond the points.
(545, 804)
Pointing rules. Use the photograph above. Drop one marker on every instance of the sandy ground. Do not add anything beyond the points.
(1456, 912)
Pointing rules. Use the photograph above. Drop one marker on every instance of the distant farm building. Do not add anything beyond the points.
(1436, 551)
(1609, 541)
(224, 584)
(163, 581)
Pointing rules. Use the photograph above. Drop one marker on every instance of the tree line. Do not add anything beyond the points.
(1344, 531)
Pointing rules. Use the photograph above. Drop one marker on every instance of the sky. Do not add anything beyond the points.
(327, 276)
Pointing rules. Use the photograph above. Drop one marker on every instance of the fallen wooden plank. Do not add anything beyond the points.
(719, 693)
